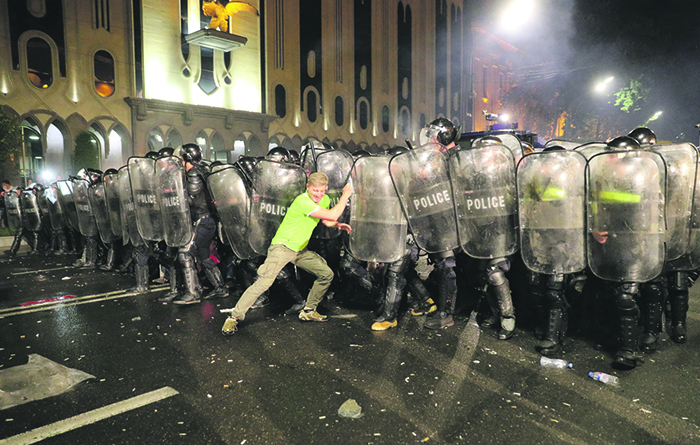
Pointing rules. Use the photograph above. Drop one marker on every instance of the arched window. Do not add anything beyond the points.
(311, 106)
(39, 66)
(339, 111)
(155, 140)
(239, 146)
(385, 119)
(405, 121)
(104, 73)
(280, 101)
(364, 115)
(174, 138)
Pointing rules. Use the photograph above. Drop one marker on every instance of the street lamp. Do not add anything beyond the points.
(603, 85)
(654, 117)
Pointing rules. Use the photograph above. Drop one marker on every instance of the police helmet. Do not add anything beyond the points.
(360, 153)
(191, 153)
(166, 151)
(278, 154)
(485, 141)
(440, 130)
(109, 171)
(554, 148)
(624, 143)
(294, 157)
(94, 175)
(643, 135)
(246, 163)
(396, 150)
(152, 154)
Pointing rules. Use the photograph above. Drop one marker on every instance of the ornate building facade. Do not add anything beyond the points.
(356, 74)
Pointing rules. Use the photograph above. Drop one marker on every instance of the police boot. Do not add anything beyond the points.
(392, 300)
(216, 279)
(679, 310)
(652, 326)
(33, 243)
(141, 280)
(171, 275)
(109, 260)
(61, 243)
(291, 289)
(14, 247)
(541, 313)
(627, 357)
(551, 344)
(421, 303)
(192, 293)
(90, 253)
(501, 295)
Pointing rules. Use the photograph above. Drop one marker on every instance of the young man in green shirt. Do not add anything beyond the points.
(289, 246)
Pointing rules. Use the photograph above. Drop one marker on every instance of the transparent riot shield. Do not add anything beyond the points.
(98, 202)
(551, 202)
(513, 143)
(172, 200)
(567, 145)
(336, 164)
(483, 181)
(309, 154)
(591, 149)
(43, 204)
(130, 231)
(422, 182)
(275, 186)
(681, 163)
(625, 215)
(56, 214)
(111, 182)
(65, 196)
(232, 199)
(13, 210)
(31, 218)
(86, 216)
(143, 190)
(379, 227)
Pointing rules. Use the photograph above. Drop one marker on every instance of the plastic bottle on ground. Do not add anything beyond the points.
(605, 378)
(555, 363)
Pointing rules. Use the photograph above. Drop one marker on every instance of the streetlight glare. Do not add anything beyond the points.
(517, 14)
(601, 86)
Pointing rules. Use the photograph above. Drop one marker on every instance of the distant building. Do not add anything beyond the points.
(362, 74)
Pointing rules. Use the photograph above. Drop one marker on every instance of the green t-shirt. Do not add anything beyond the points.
(297, 226)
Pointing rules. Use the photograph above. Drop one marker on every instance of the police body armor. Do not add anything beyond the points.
(13, 210)
(65, 196)
(111, 184)
(86, 216)
(483, 180)
(31, 215)
(336, 164)
(625, 215)
(172, 197)
(143, 191)
(422, 183)
(379, 227)
(275, 185)
(231, 194)
(551, 202)
(98, 201)
(130, 232)
(56, 214)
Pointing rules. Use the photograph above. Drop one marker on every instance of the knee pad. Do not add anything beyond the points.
(495, 277)
(624, 296)
(208, 263)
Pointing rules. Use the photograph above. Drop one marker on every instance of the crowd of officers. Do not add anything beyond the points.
(110, 221)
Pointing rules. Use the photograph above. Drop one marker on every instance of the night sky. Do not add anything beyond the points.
(580, 42)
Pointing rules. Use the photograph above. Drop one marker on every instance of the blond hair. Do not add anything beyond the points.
(317, 179)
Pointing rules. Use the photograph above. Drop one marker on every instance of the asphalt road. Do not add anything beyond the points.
(149, 372)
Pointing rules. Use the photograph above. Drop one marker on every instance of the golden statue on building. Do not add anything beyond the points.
(219, 13)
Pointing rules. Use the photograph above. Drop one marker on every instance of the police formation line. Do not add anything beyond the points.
(604, 224)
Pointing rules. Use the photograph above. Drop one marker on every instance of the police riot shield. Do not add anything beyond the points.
(483, 181)
(379, 227)
(43, 204)
(98, 202)
(625, 215)
(567, 145)
(336, 164)
(232, 199)
(13, 209)
(591, 149)
(130, 231)
(56, 214)
(31, 216)
(65, 196)
(86, 217)
(275, 186)
(143, 191)
(309, 155)
(681, 163)
(111, 182)
(513, 143)
(551, 194)
(422, 182)
(172, 199)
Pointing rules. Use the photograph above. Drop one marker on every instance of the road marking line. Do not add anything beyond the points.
(89, 417)
(44, 270)
(73, 302)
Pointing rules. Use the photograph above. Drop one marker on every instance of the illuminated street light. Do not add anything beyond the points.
(517, 14)
(604, 84)
(654, 117)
